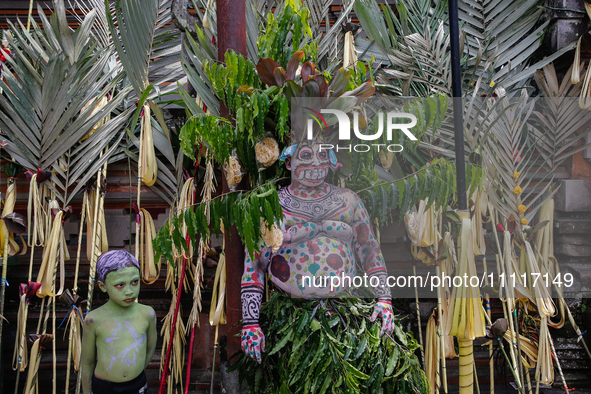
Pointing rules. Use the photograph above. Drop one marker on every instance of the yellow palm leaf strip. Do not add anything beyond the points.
(48, 202)
(545, 237)
(529, 348)
(150, 270)
(19, 359)
(468, 318)
(10, 200)
(480, 198)
(440, 336)
(82, 219)
(74, 343)
(414, 222)
(147, 166)
(4, 233)
(504, 253)
(429, 234)
(575, 76)
(35, 214)
(349, 53)
(90, 208)
(512, 271)
(96, 231)
(542, 296)
(432, 354)
(20, 356)
(36, 351)
(50, 260)
(544, 368)
(217, 313)
(584, 101)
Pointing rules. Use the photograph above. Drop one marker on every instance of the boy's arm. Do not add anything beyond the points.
(152, 337)
(88, 357)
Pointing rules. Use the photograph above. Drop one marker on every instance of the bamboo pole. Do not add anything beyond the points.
(466, 365)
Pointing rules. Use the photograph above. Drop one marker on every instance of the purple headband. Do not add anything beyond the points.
(113, 261)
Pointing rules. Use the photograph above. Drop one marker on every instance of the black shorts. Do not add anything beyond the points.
(138, 385)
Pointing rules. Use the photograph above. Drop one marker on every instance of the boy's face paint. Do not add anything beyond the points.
(123, 286)
(309, 165)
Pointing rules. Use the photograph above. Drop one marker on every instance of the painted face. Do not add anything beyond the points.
(309, 165)
(123, 286)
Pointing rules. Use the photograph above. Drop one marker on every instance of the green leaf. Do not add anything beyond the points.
(354, 371)
(394, 196)
(315, 325)
(392, 360)
(406, 200)
(400, 334)
(282, 343)
(361, 348)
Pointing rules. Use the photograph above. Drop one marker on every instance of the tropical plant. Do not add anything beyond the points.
(54, 74)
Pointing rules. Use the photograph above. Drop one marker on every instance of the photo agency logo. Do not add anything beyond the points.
(394, 122)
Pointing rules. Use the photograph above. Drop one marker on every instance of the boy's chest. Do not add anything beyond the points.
(121, 333)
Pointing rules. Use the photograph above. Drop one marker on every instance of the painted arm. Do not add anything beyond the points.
(88, 357)
(369, 253)
(152, 337)
(253, 287)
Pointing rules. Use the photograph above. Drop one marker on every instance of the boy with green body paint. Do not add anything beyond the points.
(119, 337)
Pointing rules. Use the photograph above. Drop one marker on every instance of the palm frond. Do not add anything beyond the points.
(562, 123)
(193, 66)
(510, 160)
(54, 74)
(100, 27)
(147, 43)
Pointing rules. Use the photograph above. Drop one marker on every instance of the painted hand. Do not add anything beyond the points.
(383, 309)
(253, 341)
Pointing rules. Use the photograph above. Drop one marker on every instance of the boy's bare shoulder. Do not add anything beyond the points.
(147, 311)
(92, 318)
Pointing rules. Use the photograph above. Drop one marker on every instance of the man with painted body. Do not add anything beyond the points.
(119, 337)
(324, 227)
